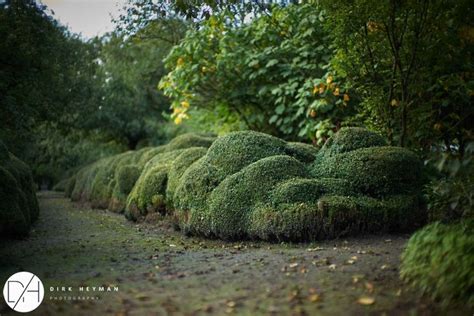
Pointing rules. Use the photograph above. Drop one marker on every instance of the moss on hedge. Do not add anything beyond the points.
(439, 261)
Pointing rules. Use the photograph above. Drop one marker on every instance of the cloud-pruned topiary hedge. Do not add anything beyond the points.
(18, 204)
(117, 182)
(253, 185)
(438, 262)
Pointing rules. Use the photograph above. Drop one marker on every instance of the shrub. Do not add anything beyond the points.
(18, 203)
(70, 186)
(14, 213)
(351, 138)
(124, 180)
(178, 168)
(61, 185)
(301, 190)
(352, 215)
(375, 171)
(285, 221)
(438, 262)
(232, 152)
(148, 194)
(101, 188)
(301, 151)
(233, 200)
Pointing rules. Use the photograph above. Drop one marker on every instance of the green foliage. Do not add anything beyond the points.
(348, 139)
(450, 194)
(124, 180)
(247, 186)
(374, 171)
(178, 168)
(18, 204)
(253, 185)
(273, 72)
(438, 262)
(415, 88)
(232, 202)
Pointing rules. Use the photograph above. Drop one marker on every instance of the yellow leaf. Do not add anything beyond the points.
(329, 79)
(336, 92)
(178, 120)
(315, 89)
(394, 102)
(346, 97)
(313, 298)
(180, 61)
(185, 104)
(366, 300)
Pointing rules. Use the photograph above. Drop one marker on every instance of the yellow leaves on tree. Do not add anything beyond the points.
(180, 112)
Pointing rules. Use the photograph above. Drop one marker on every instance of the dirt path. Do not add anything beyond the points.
(159, 272)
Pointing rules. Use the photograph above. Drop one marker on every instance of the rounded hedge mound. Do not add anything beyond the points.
(351, 138)
(18, 203)
(124, 180)
(375, 171)
(253, 185)
(439, 261)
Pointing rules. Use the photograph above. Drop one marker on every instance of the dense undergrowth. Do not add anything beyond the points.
(252, 185)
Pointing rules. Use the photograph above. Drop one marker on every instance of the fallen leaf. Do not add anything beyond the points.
(231, 304)
(366, 300)
(369, 286)
(293, 265)
(332, 266)
(313, 298)
(384, 267)
(350, 261)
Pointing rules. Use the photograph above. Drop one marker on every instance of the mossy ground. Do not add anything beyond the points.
(161, 272)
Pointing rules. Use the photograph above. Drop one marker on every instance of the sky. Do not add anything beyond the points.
(88, 17)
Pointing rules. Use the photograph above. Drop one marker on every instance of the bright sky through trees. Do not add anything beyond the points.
(89, 17)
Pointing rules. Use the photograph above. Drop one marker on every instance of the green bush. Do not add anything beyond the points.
(233, 200)
(70, 186)
(351, 138)
(148, 194)
(178, 168)
(285, 221)
(301, 151)
(252, 185)
(232, 152)
(375, 171)
(352, 215)
(61, 185)
(101, 188)
(14, 213)
(124, 180)
(439, 261)
(18, 203)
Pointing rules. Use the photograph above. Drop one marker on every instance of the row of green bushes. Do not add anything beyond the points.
(253, 185)
(18, 204)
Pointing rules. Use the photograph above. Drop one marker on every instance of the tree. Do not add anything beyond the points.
(273, 73)
(411, 63)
